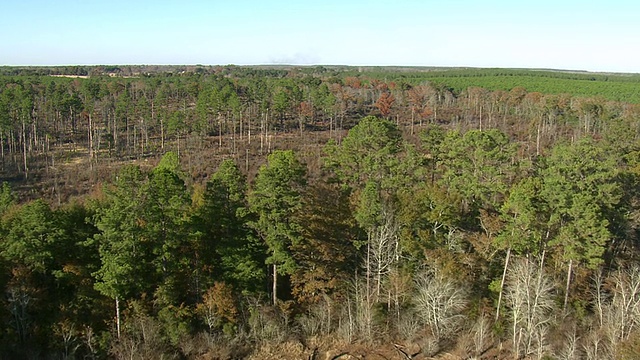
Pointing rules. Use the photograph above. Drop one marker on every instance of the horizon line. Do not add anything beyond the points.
(328, 65)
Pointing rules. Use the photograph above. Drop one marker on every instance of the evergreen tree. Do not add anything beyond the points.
(164, 214)
(276, 199)
(228, 249)
(581, 190)
(126, 266)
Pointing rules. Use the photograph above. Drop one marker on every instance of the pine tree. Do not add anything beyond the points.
(276, 199)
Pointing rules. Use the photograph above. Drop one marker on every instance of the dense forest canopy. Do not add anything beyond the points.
(192, 211)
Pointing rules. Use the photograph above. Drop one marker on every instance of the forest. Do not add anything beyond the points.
(281, 212)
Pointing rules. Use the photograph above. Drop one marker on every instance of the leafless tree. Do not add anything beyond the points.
(384, 250)
(356, 319)
(529, 298)
(624, 310)
(570, 349)
(481, 335)
(66, 331)
(596, 346)
(90, 342)
(620, 312)
(318, 319)
(19, 304)
(381, 258)
(267, 324)
(439, 302)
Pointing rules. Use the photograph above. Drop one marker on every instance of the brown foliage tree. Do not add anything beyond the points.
(385, 102)
(323, 254)
(218, 306)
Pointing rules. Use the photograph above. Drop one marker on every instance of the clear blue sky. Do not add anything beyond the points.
(579, 35)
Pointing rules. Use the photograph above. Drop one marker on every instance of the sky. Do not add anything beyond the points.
(573, 35)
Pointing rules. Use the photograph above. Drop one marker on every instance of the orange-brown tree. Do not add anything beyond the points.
(385, 102)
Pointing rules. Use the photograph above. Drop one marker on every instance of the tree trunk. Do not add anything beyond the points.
(599, 297)
(240, 123)
(301, 124)
(128, 146)
(330, 127)
(368, 267)
(34, 128)
(90, 136)
(504, 276)
(24, 151)
(162, 132)
(219, 132)
(2, 147)
(413, 113)
(266, 128)
(435, 115)
(118, 316)
(249, 129)
(275, 284)
(261, 133)
(233, 137)
(246, 164)
(538, 138)
(115, 134)
(566, 290)
(178, 145)
(135, 141)
(153, 117)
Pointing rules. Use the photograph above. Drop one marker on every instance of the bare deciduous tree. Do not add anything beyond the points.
(623, 313)
(618, 311)
(481, 336)
(439, 302)
(384, 249)
(356, 319)
(529, 298)
(19, 302)
(570, 349)
(596, 346)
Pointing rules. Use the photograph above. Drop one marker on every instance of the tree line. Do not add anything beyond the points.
(48, 120)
